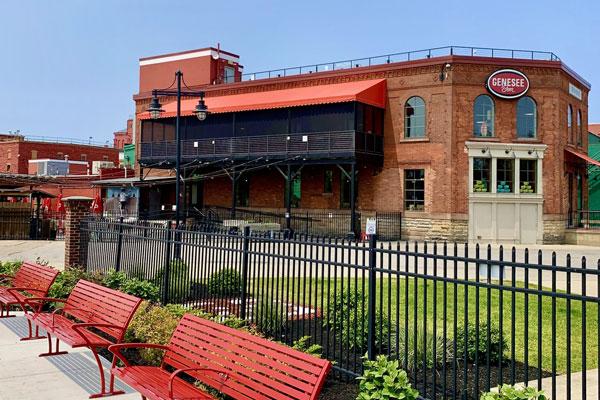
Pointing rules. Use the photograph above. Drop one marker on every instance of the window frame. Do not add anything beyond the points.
(491, 124)
(579, 128)
(408, 128)
(328, 181)
(529, 172)
(489, 169)
(534, 116)
(570, 123)
(414, 202)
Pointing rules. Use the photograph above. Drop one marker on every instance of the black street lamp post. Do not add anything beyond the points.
(201, 112)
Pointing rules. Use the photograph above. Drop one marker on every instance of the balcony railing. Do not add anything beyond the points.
(312, 145)
(402, 57)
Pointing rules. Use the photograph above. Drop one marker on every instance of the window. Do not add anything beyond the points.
(414, 118)
(483, 116)
(9, 154)
(242, 198)
(34, 154)
(105, 158)
(414, 189)
(570, 123)
(505, 174)
(481, 174)
(7, 167)
(528, 176)
(84, 157)
(579, 129)
(526, 118)
(229, 75)
(328, 181)
(59, 156)
(345, 189)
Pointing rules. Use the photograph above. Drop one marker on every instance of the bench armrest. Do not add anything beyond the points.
(22, 302)
(36, 303)
(116, 349)
(224, 375)
(81, 326)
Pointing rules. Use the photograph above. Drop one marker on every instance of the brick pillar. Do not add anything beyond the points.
(77, 208)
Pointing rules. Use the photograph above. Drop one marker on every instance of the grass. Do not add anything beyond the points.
(460, 301)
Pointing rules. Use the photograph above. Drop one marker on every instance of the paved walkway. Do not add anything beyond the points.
(46, 250)
(25, 376)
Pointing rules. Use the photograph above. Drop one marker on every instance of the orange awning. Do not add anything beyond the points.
(585, 157)
(370, 92)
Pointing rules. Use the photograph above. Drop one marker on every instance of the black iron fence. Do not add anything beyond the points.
(459, 318)
(23, 225)
(584, 219)
(333, 223)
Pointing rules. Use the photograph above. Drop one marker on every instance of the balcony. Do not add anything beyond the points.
(311, 146)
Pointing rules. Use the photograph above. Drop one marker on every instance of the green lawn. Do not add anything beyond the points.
(393, 292)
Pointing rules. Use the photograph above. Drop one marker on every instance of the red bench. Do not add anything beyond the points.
(235, 363)
(93, 316)
(31, 280)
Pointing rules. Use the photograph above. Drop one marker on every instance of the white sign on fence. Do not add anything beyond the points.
(371, 226)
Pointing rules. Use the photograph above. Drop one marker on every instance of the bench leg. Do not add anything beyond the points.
(111, 390)
(30, 336)
(56, 352)
(5, 311)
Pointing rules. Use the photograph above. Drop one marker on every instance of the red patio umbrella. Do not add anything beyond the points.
(60, 206)
(97, 206)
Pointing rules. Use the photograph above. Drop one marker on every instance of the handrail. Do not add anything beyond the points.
(403, 56)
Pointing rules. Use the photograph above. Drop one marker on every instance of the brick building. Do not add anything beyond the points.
(17, 151)
(123, 137)
(469, 144)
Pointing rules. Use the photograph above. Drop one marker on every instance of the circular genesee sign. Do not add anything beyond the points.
(508, 84)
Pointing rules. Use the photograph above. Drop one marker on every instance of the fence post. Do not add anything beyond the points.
(167, 267)
(372, 297)
(119, 245)
(245, 250)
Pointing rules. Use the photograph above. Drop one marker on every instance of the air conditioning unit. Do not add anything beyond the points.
(97, 165)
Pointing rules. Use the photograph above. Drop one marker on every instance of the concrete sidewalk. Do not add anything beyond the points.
(25, 376)
(46, 250)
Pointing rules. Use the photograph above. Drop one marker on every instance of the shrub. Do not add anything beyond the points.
(9, 268)
(303, 345)
(270, 317)
(225, 282)
(508, 392)
(383, 379)
(66, 281)
(152, 324)
(179, 280)
(424, 349)
(114, 279)
(143, 289)
(480, 349)
(348, 316)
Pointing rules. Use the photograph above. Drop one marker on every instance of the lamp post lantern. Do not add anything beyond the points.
(201, 111)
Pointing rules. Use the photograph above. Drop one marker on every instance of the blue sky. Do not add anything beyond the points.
(69, 67)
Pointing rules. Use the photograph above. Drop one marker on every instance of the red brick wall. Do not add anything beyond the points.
(18, 154)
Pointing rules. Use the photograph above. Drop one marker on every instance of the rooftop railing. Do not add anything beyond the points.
(402, 57)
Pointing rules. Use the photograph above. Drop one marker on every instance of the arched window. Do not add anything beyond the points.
(526, 118)
(579, 129)
(414, 118)
(483, 116)
(570, 123)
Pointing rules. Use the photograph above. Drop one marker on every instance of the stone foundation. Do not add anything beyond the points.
(554, 231)
(433, 229)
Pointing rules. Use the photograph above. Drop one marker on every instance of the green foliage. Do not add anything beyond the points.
(480, 348)
(508, 392)
(383, 379)
(424, 349)
(225, 282)
(114, 279)
(152, 324)
(66, 281)
(303, 345)
(347, 317)
(9, 268)
(270, 317)
(143, 289)
(179, 280)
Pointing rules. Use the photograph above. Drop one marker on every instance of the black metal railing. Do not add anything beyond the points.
(402, 57)
(460, 319)
(313, 145)
(584, 219)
